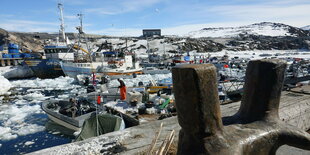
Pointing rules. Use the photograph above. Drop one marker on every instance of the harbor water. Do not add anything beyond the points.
(24, 126)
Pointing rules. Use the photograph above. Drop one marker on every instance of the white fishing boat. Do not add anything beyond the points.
(65, 114)
(123, 66)
(117, 66)
(73, 69)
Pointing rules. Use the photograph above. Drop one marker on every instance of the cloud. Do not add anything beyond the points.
(71, 2)
(117, 32)
(28, 26)
(71, 17)
(175, 30)
(123, 6)
(293, 14)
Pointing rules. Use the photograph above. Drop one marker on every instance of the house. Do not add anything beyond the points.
(151, 32)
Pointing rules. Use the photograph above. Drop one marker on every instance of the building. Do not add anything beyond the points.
(151, 33)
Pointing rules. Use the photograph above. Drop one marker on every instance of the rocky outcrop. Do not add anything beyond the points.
(252, 42)
(23, 40)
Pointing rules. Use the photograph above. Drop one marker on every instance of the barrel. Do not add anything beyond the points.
(12, 50)
(12, 46)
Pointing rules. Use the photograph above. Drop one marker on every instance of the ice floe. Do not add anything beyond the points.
(5, 85)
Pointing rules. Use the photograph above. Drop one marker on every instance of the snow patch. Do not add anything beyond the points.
(265, 29)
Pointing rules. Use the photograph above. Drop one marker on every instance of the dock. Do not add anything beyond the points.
(10, 61)
(294, 109)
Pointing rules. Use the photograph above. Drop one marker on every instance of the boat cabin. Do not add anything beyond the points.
(59, 52)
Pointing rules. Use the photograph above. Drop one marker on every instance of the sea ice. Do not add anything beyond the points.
(5, 85)
(29, 143)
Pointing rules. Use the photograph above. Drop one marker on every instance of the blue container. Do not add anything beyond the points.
(15, 55)
(12, 46)
(25, 55)
(6, 55)
(13, 50)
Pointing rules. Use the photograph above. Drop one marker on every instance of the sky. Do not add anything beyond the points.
(129, 17)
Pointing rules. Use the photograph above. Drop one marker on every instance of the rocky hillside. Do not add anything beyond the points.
(260, 36)
(25, 41)
(258, 29)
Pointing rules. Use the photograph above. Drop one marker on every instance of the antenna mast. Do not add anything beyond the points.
(62, 25)
(80, 15)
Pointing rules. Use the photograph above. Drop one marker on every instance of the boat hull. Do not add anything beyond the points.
(63, 123)
(45, 68)
(75, 123)
(72, 70)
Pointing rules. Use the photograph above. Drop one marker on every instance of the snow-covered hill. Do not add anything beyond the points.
(306, 28)
(263, 29)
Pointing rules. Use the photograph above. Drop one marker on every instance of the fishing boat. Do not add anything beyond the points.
(122, 66)
(102, 64)
(49, 65)
(154, 70)
(66, 114)
(179, 58)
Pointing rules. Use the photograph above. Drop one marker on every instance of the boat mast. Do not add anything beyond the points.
(80, 29)
(62, 23)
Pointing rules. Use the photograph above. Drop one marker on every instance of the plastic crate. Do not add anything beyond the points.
(6, 55)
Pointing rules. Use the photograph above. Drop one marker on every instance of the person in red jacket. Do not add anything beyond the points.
(122, 88)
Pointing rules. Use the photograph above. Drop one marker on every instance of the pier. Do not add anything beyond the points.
(9, 61)
(294, 109)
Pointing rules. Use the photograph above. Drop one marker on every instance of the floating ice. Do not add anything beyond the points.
(13, 119)
(4, 130)
(29, 129)
(29, 143)
(60, 83)
(17, 72)
(5, 85)
(35, 95)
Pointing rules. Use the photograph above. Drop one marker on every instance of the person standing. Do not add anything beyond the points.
(86, 82)
(122, 88)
